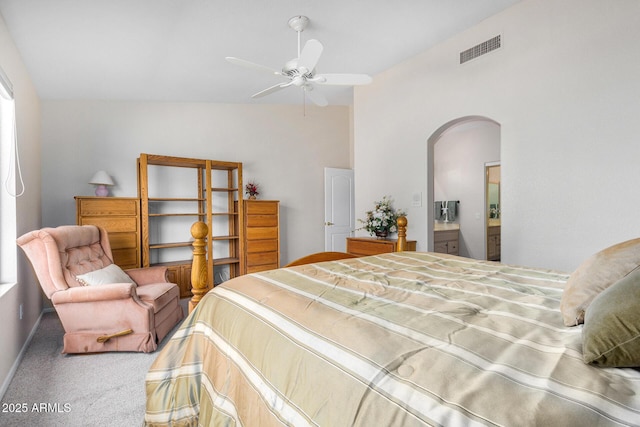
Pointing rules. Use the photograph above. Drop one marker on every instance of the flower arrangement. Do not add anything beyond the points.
(383, 219)
(251, 189)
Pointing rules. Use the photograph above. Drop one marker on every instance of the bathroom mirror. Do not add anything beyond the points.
(493, 192)
(494, 199)
(493, 212)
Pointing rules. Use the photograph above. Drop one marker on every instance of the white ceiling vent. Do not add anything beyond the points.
(479, 50)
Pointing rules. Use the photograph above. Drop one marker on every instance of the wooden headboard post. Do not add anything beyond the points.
(402, 233)
(199, 231)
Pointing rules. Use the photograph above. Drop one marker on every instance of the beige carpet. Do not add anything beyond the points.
(52, 389)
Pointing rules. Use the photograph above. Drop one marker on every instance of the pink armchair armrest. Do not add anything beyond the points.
(107, 292)
(147, 275)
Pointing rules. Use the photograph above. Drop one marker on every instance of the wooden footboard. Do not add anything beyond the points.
(199, 285)
(320, 257)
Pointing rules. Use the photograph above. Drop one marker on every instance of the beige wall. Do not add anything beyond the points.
(15, 332)
(280, 147)
(564, 88)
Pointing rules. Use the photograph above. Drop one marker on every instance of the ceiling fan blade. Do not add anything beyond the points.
(271, 90)
(342, 79)
(309, 56)
(315, 97)
(248, 64)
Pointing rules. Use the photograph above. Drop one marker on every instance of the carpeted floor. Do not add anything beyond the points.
(53, 389)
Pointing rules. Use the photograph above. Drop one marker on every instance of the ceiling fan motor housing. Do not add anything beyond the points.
(298, 23)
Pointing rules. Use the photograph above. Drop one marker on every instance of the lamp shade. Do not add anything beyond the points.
(101, 178)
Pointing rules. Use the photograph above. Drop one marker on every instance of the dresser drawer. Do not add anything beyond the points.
(264, 267)
(442, 236)
(107, 206)
(369, 247)
(262, 221)
(493, 231)
(261, 208)
(262, 258)
(112, 224)
(265, 245)
(123, 240)
(125, 258)
(256, 233)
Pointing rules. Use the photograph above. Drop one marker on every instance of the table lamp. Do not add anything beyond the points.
(101, 179)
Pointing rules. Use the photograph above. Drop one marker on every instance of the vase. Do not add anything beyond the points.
(252, 197)
(382, 234)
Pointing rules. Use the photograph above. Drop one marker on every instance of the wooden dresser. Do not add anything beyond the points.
(446, 238)
(120, 216)
(262, 233)
(363, 246)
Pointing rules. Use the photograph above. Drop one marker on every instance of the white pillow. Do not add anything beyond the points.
(110, 274)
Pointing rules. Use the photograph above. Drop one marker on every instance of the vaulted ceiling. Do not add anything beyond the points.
(174, 50)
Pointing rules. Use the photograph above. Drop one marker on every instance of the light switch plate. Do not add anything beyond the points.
(416, 200)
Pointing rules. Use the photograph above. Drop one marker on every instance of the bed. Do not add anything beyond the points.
(402, 339)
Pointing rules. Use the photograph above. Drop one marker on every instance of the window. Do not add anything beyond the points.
(8, 260)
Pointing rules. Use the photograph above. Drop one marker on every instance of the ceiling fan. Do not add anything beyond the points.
(301, 71)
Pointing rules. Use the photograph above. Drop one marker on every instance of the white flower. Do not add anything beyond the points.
(382, 219)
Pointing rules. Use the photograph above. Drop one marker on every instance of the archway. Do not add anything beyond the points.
(466, 144)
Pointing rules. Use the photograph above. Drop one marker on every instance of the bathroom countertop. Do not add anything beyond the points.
(445, 226)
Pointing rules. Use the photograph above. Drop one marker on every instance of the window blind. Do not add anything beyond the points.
(6, 88)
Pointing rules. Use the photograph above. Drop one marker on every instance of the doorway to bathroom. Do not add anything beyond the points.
(461, 149)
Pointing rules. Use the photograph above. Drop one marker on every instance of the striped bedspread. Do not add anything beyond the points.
(402, 339)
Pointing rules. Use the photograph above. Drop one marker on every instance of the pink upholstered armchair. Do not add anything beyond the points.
(98, 309)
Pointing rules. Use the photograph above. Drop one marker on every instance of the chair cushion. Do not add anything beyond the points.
(109, 274)
(158, 294)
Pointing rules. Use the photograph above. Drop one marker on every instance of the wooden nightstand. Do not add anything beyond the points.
(363, 246)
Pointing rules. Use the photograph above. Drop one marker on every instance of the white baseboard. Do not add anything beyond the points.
(14, 367)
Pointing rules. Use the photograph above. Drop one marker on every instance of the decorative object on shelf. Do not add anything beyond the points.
(101, 179)
(252, 190)
(382, 220)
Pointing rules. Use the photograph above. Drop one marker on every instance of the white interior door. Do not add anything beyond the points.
(339, 208)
